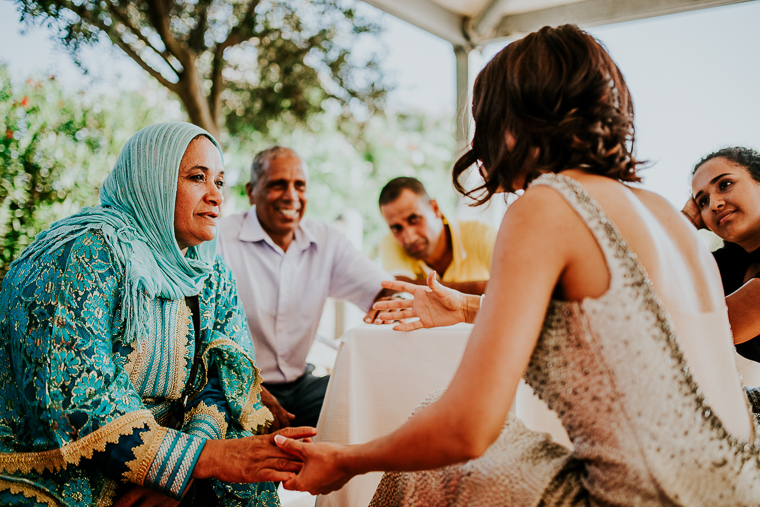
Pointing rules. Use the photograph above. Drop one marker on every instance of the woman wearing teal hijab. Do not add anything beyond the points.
(126, 366)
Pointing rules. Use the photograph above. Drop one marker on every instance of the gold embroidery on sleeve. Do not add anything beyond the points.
(211, 412)
(252, 420)
(180, 349)
(29, 491)
(108, 495)
(171, 460)
(255, 420)
(134, 363)
(184, 467)
(144, 454)
(157, 460)
(72, 453)
(170, 325)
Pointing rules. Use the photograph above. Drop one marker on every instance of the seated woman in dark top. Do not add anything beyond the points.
(726, 200)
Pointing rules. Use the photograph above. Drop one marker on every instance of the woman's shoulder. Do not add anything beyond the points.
(653, 199)
(220, 267)
(75, 266)
(542, 213)
(545, 199)
(93, 239)
(89, 247)
(92, 251)
(612, 195)
(222, 278)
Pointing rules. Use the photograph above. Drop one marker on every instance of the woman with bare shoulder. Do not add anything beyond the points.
(601, 295)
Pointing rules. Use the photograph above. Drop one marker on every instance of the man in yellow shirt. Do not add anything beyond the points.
(422, 240)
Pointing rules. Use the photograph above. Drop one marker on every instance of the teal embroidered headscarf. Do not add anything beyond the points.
(136, 218)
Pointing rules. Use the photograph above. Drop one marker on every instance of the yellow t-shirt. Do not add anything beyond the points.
(472, 242)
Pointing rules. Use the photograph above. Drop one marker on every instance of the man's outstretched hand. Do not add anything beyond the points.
(433, 304)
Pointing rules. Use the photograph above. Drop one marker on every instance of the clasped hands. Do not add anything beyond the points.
(328, 467)
(251, 459)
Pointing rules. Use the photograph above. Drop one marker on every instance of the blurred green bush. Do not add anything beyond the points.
(56, 148)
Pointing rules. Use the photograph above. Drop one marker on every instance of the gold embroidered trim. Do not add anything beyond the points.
(108, 494)
(73, 452)
(181, 349)
(213, 412)
(179, 346)
(184, 467)
(29, 491)
(178, 448)
(163, 451)
(144, 454)
(134, 363)
(154, 378)
(251, 420)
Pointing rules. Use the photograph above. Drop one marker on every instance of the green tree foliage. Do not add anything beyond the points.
(235, 63)
(55, 150)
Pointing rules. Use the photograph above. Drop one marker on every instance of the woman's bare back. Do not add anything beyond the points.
(684, 276)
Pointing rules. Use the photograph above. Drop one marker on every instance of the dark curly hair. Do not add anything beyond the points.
(392, 190)
(564, 100)
(745, 157)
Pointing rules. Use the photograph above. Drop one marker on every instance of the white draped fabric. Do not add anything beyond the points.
(381, 375)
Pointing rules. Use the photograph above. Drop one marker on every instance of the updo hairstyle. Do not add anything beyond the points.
(745, 157)
(564, 100)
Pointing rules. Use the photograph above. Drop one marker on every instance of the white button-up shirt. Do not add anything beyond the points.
(284, 292)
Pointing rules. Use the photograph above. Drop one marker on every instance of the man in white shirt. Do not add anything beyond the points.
(286, 266)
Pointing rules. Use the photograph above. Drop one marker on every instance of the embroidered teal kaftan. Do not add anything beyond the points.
(81, 408)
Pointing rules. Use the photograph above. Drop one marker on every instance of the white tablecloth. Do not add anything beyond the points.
(381, 375)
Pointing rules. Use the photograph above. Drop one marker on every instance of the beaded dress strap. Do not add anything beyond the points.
(619, 257)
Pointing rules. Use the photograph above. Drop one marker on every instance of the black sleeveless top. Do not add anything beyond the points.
(733, 262)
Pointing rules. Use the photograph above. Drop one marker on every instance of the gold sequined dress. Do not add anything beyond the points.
(614, 372)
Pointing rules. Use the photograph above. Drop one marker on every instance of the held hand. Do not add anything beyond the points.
(144, 497)
(250, 459)
(371, 315)
(322, 472)
(691, 211)
(282, 417)
(434, 304)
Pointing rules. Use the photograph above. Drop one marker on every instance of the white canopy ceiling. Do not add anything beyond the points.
(471, 23)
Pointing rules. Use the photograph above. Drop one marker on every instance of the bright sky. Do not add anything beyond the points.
(693, 77)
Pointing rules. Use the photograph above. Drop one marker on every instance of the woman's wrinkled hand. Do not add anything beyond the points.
(434, 305)
(322, 470)
(251, 459)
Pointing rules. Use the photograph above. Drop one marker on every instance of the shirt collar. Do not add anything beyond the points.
(305, 236)
(458, 251)
(456, 239)
(252, 231)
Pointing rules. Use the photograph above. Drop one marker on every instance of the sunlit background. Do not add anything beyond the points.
(693, 77)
